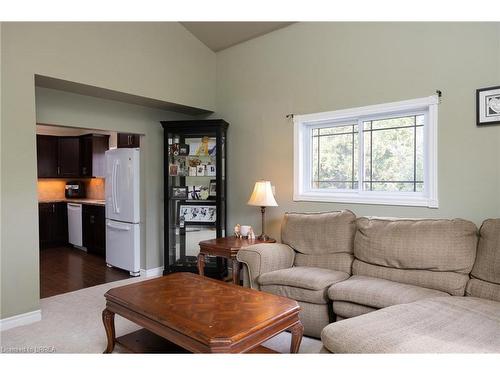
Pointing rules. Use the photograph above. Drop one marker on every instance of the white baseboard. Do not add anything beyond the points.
(152, 272)
(20, 320)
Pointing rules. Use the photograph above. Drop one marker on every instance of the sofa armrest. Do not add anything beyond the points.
(262, 258)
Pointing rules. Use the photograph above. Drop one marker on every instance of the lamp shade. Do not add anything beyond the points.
(262, 195)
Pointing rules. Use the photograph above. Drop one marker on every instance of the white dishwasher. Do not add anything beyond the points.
(75, 224)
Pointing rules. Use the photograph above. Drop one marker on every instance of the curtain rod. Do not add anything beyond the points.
(439, 93)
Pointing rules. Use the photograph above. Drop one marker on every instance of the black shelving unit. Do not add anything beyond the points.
(195, 192)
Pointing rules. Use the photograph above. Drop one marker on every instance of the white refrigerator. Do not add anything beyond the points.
(123, 245)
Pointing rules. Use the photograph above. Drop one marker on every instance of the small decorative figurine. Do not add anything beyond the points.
(251, 234)
(237, 231)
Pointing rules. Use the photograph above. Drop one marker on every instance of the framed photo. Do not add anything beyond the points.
(488, 106)
(182, 168)
(173, 170)
(179, 192)
(192, 171)
(197, 213)
(211, 170)
(212, 189)
(183, 149)
(200, 170)
(174, 149)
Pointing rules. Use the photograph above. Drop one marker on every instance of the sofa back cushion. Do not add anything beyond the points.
(485, 282)
(431, 253)
(321, 239)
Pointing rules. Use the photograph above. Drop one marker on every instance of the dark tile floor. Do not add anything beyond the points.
(65, 269)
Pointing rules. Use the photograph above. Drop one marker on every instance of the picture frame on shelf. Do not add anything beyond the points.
(183, 149)
(200, 213)
(200, 170)
(173, 170)
(192, 171)
(488, 106)
(212, 189)
(211, 170)
(182, 167)
(179, 192)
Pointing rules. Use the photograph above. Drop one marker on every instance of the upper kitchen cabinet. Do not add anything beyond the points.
(126, 140)
(92, 149)
(46, 152)
(69, 156)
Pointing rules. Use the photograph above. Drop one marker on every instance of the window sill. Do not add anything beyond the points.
(378, 199)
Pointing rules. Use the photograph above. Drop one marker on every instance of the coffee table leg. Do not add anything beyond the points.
(201, 264)
(236, 272)
(297, 330)
(108, 318)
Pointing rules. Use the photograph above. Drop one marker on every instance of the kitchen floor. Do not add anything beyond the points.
(65, 269)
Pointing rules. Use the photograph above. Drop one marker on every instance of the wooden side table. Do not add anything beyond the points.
(225, 247)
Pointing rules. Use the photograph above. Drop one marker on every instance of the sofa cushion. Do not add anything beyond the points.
(311, 278)
(483, 289)
(379, 293)
(346, 309)
(486, 270)
(449, 282)
(319, 297)
(439, 252)
(338, 261)
(324, 233)
(434, 325)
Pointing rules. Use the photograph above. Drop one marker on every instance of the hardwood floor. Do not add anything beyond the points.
(65, 269)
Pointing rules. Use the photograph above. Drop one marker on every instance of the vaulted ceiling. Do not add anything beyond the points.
(220, 35)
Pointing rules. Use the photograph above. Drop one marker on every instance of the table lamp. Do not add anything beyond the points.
(262, 196)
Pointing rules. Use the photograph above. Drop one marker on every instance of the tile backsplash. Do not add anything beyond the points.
(54, 188)
(94, 188)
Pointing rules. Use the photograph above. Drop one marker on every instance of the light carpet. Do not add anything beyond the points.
(71, 323)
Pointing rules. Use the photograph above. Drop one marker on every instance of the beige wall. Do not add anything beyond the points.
(313, 67)
(157, 60)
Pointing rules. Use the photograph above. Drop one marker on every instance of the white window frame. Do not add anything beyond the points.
(303, 125)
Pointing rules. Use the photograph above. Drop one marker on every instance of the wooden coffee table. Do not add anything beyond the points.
(203, 315)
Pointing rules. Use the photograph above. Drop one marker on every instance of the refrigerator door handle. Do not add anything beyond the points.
(114, 189)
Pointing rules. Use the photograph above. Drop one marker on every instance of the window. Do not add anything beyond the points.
(381, 154)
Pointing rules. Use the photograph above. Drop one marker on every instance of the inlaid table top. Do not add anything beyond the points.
(205, 315)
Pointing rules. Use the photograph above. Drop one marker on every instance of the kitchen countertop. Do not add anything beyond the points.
(95, 202)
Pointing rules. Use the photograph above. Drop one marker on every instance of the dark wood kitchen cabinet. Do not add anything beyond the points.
(92, 149)
(53, 224)
(94, 229)
(69, 156)
(46, 152)
(126, 140)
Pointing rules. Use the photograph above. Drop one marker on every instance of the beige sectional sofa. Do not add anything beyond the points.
(400, 282)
